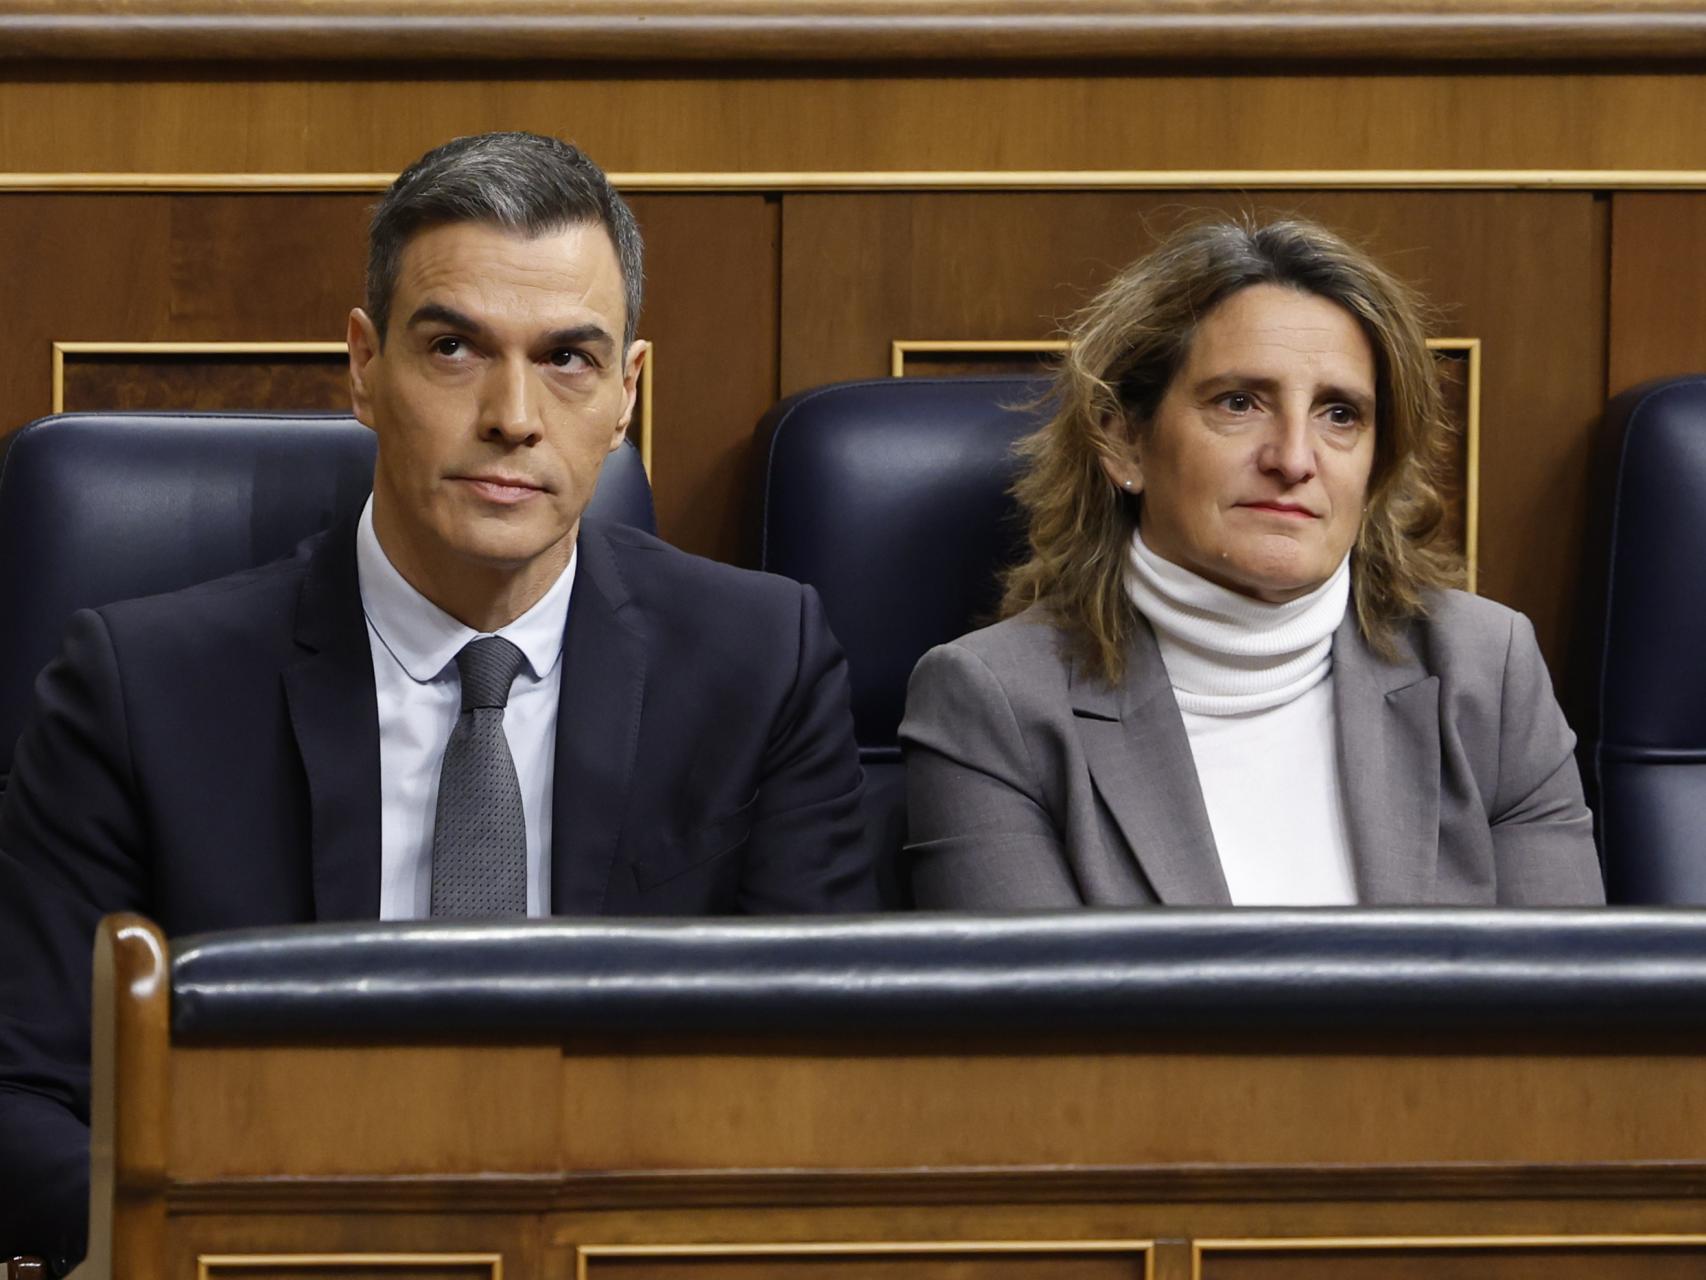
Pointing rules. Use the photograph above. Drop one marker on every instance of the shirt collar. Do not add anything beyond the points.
(424, 639)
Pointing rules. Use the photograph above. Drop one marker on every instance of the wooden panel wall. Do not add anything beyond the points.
(861, 119)
(794, 231)
(283, 267)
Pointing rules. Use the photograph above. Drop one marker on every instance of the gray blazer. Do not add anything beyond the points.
(1030, 784)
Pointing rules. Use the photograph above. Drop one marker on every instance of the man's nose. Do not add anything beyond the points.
(1289, 450)
(508, 405)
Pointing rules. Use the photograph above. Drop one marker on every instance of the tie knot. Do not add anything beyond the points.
(487, 666)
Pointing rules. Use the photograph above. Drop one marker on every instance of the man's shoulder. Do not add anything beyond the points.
(260, 603)
(668, 577)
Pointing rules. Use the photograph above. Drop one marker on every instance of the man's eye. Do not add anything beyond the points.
(446, 346)
(1238, 401)
(570, 359)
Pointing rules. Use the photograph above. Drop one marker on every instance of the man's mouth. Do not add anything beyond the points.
(503, 489)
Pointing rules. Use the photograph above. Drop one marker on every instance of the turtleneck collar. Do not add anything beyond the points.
(1228, 654)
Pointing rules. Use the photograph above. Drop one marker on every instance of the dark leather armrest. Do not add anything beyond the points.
(26, 1268)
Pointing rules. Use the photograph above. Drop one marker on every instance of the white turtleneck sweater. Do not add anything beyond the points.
(1254, 683)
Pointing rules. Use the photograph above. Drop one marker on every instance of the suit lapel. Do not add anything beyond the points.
(1140, 761)
(598, 727)
(1388, 717)
(334, 713)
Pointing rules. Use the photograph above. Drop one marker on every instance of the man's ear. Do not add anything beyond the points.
(639, 351)
(363, 342)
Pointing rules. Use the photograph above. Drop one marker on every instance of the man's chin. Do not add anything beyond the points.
(509, 552)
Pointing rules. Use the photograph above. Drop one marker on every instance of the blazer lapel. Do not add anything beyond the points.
(598, 728)
(334, 713)
(1388, 717)
(1140, 761)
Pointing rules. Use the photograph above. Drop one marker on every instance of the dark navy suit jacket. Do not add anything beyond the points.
(210, 758)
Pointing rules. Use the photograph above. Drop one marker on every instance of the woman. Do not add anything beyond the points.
(1233, 669)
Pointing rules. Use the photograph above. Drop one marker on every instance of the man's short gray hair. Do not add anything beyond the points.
(521, 182)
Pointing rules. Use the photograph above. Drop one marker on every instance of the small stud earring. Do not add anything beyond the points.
(1128, 484)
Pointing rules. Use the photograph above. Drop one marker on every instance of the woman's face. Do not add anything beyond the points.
(1255, 466)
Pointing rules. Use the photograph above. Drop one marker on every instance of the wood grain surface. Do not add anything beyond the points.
(169, 119)
(854, 30)
(1658, 287)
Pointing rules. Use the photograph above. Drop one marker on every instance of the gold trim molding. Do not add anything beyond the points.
(1469, 348)
(209, 1266)
(588, 1253)
(901, 348)
(641, 427)
(1338, 1244)
(934, 180)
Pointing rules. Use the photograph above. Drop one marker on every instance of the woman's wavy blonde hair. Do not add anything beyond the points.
(1128, 344)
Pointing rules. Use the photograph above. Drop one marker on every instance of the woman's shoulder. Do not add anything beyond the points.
(1030, 640)
(1460, 630)
(1014, 670)
(1460, 613)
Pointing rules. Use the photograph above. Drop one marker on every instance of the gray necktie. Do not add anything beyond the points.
(479, 839)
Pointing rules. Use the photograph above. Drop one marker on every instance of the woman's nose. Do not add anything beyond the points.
(1289, 451)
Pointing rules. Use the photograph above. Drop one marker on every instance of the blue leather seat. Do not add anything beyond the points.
(891, 498)
(1650, 759)
(98, 507)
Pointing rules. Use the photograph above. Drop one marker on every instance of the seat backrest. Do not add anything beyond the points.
(99, 507)
(893, 499)
(1650, 758)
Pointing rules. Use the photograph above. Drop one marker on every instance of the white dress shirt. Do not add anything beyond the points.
(414, 645)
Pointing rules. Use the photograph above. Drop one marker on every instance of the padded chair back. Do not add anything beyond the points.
(99, 507)
(1650, 760)
(892, 498)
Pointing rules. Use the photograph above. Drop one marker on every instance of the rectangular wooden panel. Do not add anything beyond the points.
(1523, 272)
(1658, 286)
(996, 1261)
(712, 266)
(162, 120)
(965, 1268)
(379, 1110)
(1486, 1260)
(170, 268)
(169, 380)
(952, 1107)
(373, 1266)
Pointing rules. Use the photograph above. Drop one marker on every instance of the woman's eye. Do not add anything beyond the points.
(1238, 401)
(1343, 415)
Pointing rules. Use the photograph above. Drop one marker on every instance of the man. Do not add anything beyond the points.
(470, 702)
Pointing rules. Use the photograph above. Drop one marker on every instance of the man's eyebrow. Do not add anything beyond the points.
(438, 313)
(581, 335)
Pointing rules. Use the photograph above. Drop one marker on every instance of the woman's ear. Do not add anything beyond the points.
(1125, 468)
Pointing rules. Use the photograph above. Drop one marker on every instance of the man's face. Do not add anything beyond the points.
(499, 391)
